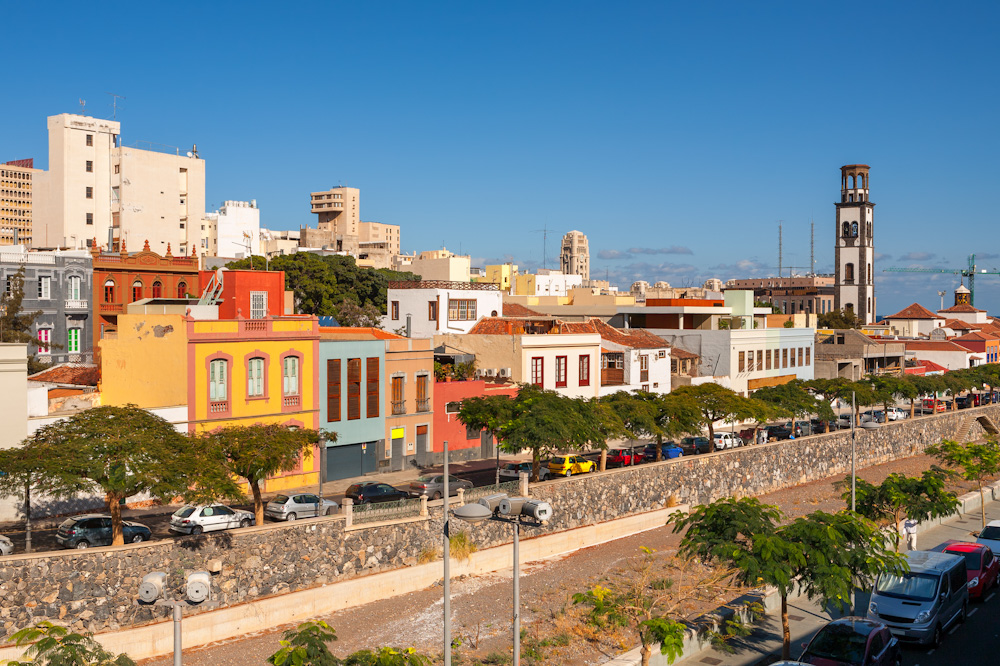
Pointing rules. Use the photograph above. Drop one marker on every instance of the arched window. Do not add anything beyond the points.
(109, 291)
(157, 289)
(849, 307)
(854, 229)
(849, 273)
(847, 229)
(217, 380)
(136, 291)
(182, 289)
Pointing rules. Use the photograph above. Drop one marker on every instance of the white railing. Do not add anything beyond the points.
(77, 304)
(27, 258)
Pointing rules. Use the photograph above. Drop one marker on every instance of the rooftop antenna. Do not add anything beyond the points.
(83, 107)
(812, 248)
(779, 247)
(544, 231)
(114, 104)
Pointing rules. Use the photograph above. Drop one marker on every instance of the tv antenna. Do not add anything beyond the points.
(544, 231)
(83, 107)
(779, 247)
(114, 104)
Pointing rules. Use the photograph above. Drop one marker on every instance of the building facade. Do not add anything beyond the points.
(430, 307)
(337, 213)
(574, 256)
(409, 404)
(854, 248)
(812, 294)
(17, 186)
(232, 231)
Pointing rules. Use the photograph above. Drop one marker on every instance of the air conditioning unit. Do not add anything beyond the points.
(490, 372)
(479, 373)
(503, 372)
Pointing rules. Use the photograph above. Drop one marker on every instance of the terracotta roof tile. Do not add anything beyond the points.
(934, 345)
(977, 336)
(69, 373)
(931, 366)
(915, 311)
(518, 310)
(356, 333)
(677, 352)
(962, 307)
(958, 325)
(635, 338)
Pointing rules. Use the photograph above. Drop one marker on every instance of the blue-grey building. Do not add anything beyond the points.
(59, 284)
(352, 401)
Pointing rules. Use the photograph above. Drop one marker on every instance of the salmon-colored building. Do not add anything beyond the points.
(463, 443)
(409, 408)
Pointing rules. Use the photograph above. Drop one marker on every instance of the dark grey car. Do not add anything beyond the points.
(432, 486)
(95, 530)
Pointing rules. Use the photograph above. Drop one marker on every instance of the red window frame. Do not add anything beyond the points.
(561, 371)
(538, 371)
(584, 369)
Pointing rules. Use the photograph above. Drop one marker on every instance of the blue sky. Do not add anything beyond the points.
(675, 135)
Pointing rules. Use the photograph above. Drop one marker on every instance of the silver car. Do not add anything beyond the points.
(291, 507)
(6, 546)
(206, 518)
(432, 486)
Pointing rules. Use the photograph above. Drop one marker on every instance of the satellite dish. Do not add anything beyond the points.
(190, 154)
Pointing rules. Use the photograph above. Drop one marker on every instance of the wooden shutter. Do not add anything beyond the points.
(373, 377)
(333, 390)
(353, 389)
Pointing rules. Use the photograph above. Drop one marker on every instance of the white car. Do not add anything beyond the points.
(6, 546)
(990, 536)
(206, 518)
(727, 440)
(897, 414)
(513, 470)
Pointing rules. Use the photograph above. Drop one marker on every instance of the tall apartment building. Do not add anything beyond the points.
(338, 219)
(17, 182)
(574, 258)
(94, 186)
(230, 230)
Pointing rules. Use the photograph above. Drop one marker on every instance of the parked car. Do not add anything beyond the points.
(963, 401)
(514, 469)
(727, 440)
(801, 428)
(873, 416)
(570, 465)
(292, 507)
(853, 641)
(927, 405)
(845, 420)
(695, 445)
(897, 414)
(667, 450)
(981, 566)
(819, 426)
(990, 536)
(373, 491)
(6, 545)
(432, 486)
(623, 457)
(777, 433)
(95, 530)
(195, 519)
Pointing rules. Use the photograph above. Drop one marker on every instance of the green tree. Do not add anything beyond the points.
(305, 645)
(717, 403)
(121, 451)
(19, 474)
(351, 313)
(649, 597)
(49, 645)
(838, 319)
(387, 656)
(795, 400)
(257, 452)
(491, 413)
(976, 462)
(901, 496)
(823, 554)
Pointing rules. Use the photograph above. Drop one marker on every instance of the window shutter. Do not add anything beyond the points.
(333, 390)
(373, 377)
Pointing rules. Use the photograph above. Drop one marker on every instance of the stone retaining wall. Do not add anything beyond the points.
(94, 590)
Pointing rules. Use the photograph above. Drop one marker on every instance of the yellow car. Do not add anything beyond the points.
(570, 465)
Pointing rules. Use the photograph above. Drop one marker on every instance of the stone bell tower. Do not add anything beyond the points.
(854, 281)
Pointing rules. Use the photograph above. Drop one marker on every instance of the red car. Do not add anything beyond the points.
(623, 457)
(982, 567)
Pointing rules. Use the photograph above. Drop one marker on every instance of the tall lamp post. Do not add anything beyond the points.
(514, 511)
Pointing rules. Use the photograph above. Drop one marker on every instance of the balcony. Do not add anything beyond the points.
(398, 407)
(612, 377)
(424, 405)
(218, 407)
(290, 401)
(77, 304)
(112, 308)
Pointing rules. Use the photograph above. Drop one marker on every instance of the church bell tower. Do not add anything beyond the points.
(854, 281)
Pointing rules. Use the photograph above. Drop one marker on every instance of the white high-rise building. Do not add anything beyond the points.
(229, 230)
(574, 258)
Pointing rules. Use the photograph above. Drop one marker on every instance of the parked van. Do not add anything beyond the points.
(921, 604)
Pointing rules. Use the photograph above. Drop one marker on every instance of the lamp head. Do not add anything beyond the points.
(473, 513)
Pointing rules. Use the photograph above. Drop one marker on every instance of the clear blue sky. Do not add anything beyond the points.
(675, 135)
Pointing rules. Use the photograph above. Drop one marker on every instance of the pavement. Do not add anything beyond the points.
(977, 641)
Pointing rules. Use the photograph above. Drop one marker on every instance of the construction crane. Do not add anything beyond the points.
(971, 272)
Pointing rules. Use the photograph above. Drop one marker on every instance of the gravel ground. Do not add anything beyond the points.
(481, 605)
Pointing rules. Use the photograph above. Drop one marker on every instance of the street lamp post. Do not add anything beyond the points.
(198, 590)
(447, 566)
(854, 455)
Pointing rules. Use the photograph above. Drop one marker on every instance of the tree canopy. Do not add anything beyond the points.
(838, 319)
(973, 461)
(900, 496)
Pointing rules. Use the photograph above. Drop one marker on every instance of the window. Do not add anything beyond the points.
(90, 139)
(73, 341)
(808, 354)
(217, 380)
(584, 370)
(537, 370)
(793, 358)
(333, 390)
(849, 273)
(157, 289)
(90, 193)
(90, 166)
(801, 354)
(353, 389)
(461, 310)
(854, 229)
(44, 340)
(784, 358)
(767, 359)
(118, 168)
(182, 289)
(644, 368)
(44, 288)
(255, 378)
(398, 403)
(560, 371)
(258, 304)
(742, 361)
(373, 377)
(136, 291)
(90, 218)
(423, 399)
(750, 359)
(760, 361)
(432, 310)
(290, 375)
(74, 288)
(109, 291)
(395, 310)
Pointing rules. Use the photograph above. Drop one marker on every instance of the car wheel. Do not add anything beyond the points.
(245, 522)
(291, 516)
(936, 638)
(196, 530)
(569, 473)
(436, 496)
(138, 538)
(81, 545)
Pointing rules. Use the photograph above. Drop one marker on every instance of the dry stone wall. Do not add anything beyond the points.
(94, 590)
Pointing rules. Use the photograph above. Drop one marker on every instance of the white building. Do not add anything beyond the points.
(232, 228)
(430, 307)
(276, 242)
(854, 251)
(943, 352)
(555, 283)
(914, 321)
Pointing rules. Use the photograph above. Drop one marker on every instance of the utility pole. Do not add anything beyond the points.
(114, 104)
(779, 247)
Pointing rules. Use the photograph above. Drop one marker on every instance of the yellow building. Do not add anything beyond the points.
(503, 275)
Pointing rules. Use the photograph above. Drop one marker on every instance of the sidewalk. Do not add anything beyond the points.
(807, 617)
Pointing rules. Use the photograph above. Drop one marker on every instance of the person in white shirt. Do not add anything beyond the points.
(910, 531)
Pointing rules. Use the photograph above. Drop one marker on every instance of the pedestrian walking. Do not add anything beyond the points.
(910, 531)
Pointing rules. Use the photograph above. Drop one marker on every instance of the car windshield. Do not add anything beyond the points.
(908, 586)
(558, 461)
(510, 466)
(280, 499)
(426, 478)
(184, 512)
(991, 532)
(839, 642)
(973, 558)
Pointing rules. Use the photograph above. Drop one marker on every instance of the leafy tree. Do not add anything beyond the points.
(649, 597)
(387, 656)
(977, 462)
(491, 413)
(350, 313)
(122, 451)
(305, 645)
(258, 452)
(823, 554)
(901, 496)
(795, 400)
(656, 415)
(717, 403)
(51, 645)
(19, 473)
(838, 319)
